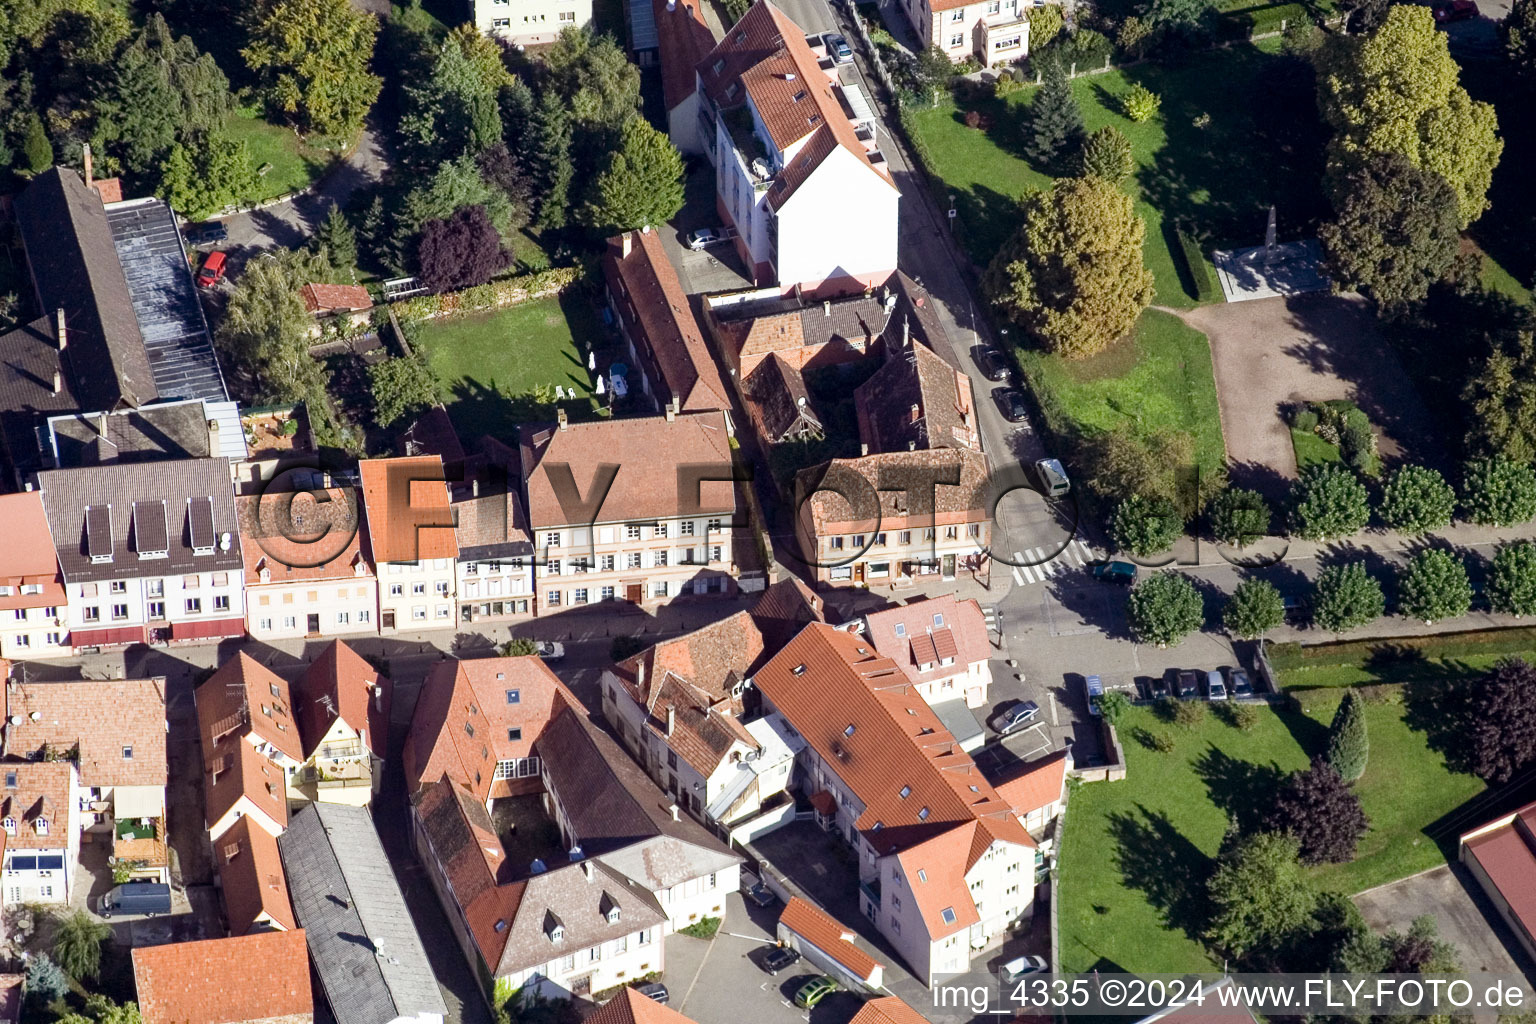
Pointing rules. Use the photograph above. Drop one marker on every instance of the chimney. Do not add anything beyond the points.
(626, 244)
(474, 488)
(378, 696)
(916, 414)
(560, 418)
(800, 401)
(62, 333)
(906, 332)
(586, 869)
(213, 437)
(85, 154)
(671, 411)
(864, 449)
(58, 383)
(671, 718)
(673, 809)
(911, 446)
(826, 307)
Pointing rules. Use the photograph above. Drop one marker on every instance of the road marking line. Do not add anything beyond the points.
(1017, 576)
(1077, 558)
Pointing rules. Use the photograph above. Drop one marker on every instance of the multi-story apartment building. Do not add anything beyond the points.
(410, 541)
(150, 553)
(32, 600)
(495, 561)
(945, 867)
(870, 521)
(809, 195)
(42, 831)
(994, 31)
(941, 643)
(635, 510)
(530, 22)
(682, 40)
(305, 574)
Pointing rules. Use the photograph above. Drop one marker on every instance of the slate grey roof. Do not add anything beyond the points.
(580, 902)
(176, 430)
(608, 799)
(75, 268)
(199, 509)
(362, 942)
(165, 301)
(29, 359)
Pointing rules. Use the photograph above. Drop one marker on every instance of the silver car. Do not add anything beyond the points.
(1215, 689)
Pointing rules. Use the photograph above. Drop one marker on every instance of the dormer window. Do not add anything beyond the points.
(200, 525)
(922, 815)
(609, 908)
(40, 826)
(731, 90)
(151, 531)
(9, 824)
(127, 753)
(98, 533)
(719, 65)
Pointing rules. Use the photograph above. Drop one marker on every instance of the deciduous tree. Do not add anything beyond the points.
(1397, 231)
(1319, 810)
(1500, 734)
(266, 329)
(1239, 517)
(1512, 581)
(1165, 608)
(1498, 491)
(205, 174)
(1346, 597)
(1145, 526)
(1328, 501)
(311, 58)
(1501, 397)
(462, 250)
(1434, 586)
(1073, 275)
(1416, 499)
(1260, 897)
(642, 183)
(1349, 744)
(1396, 90)
(455, 185)
(402, 386)
(1254, 609)
(1518, 30)
(77, 945)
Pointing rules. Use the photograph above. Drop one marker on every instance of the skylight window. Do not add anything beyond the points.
(948, 914)
(922, 815)
(922, 876)
(848, 731)
(906, 791)
(901, 629)
(938, 618)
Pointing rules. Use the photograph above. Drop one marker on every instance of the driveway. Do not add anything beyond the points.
(1270, 352)
(1466, 920)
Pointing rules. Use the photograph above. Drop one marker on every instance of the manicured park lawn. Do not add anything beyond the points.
(1404, 660)
(491, 365)
(1311, 449)
(291, 165)
(1261, 146)
(1159, 378)
(1136, 854)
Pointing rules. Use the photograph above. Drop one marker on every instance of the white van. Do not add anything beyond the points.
(1053, 478)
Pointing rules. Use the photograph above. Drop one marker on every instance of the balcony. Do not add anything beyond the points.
(752, 150)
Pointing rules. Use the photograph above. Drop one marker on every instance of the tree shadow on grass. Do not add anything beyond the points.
(1447, 709)
(1243, 790)
(1156, 858)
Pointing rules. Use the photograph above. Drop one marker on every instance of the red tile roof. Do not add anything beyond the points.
(682, 40)
(330, 298)
(887, 1010)
(231, 769)
(341, 684)
(245, 697)
(649, 452)
(251, 873)
(117, 726)
(110, 189)
(647, 290)
(1507, 855)
(463, 720)
(829, 935)
(43, 790)
(28, 557)
(405, 505)
(630, 1007)
(1038, 785)
(224, 981)
(830, 511)
(302, 536)
(930, 630)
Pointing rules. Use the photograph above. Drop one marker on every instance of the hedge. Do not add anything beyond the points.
(1516, 640)
(1199, 269)
(1264, 19)
(508, 291)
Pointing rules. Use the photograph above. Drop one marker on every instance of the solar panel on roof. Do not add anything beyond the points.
(200, 523)
(151, 532)
(98, 532)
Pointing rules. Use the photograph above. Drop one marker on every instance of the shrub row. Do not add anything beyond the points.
(1199, 269)
(508, 291)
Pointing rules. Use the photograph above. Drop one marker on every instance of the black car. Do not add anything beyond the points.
(760, 894)
(1188, 685)
(654, 990)
(1157, 688)
(1241, 685)
(991, 364)
(207, 234)
(1014, 716)
(778, 958)
(1011, 403)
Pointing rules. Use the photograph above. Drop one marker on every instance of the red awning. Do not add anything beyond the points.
(206, 629)
(104, 637)
(824, 802)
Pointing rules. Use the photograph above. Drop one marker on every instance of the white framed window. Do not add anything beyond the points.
(579, 595)
(264, 625)
(23, 640)
(660, 558)
(632, 560)
(419, 612)
(607, 593)
(958, 39)
(397, 590)
(53, 639)
(553, 568)
(685, 528)
(221, 602)
(607, 563)
(632, 532)
(659, 589)
(194, 606)
(552, 599)
(568, 17)
(660, 530)
(157, 609)
(119, 612)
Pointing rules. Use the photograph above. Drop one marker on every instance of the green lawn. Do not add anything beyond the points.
(291, 165)
(1311, 449)
(1263, 144)
(493, 365)
(1406, 660)
(1159, 378)
(1136, 854)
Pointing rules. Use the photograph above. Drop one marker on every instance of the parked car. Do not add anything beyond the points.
(814, 991)
(1215, 689)
(1241, 685)
(1456, 10)
(991, 363)
(1295, 609)
(654, 990)
(1010, 717)
(213, 270)
(1053, 478)
(147, 898)
(206, 234)
(1159, 687)
(760, 894)
(1095, 690)
(1123, 573)
(550, 650)
(703, 238)
(1011, 403)
(838, 48)
(1187, 686)
(1018, 967)
(778, 958)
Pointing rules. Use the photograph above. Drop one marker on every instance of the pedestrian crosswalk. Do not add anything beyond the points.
(1038, 565)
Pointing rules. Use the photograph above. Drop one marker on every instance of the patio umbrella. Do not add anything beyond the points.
(600, 388)
(592, 360)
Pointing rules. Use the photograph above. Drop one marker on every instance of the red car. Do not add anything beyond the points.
(213, 270)
(1456, 10)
